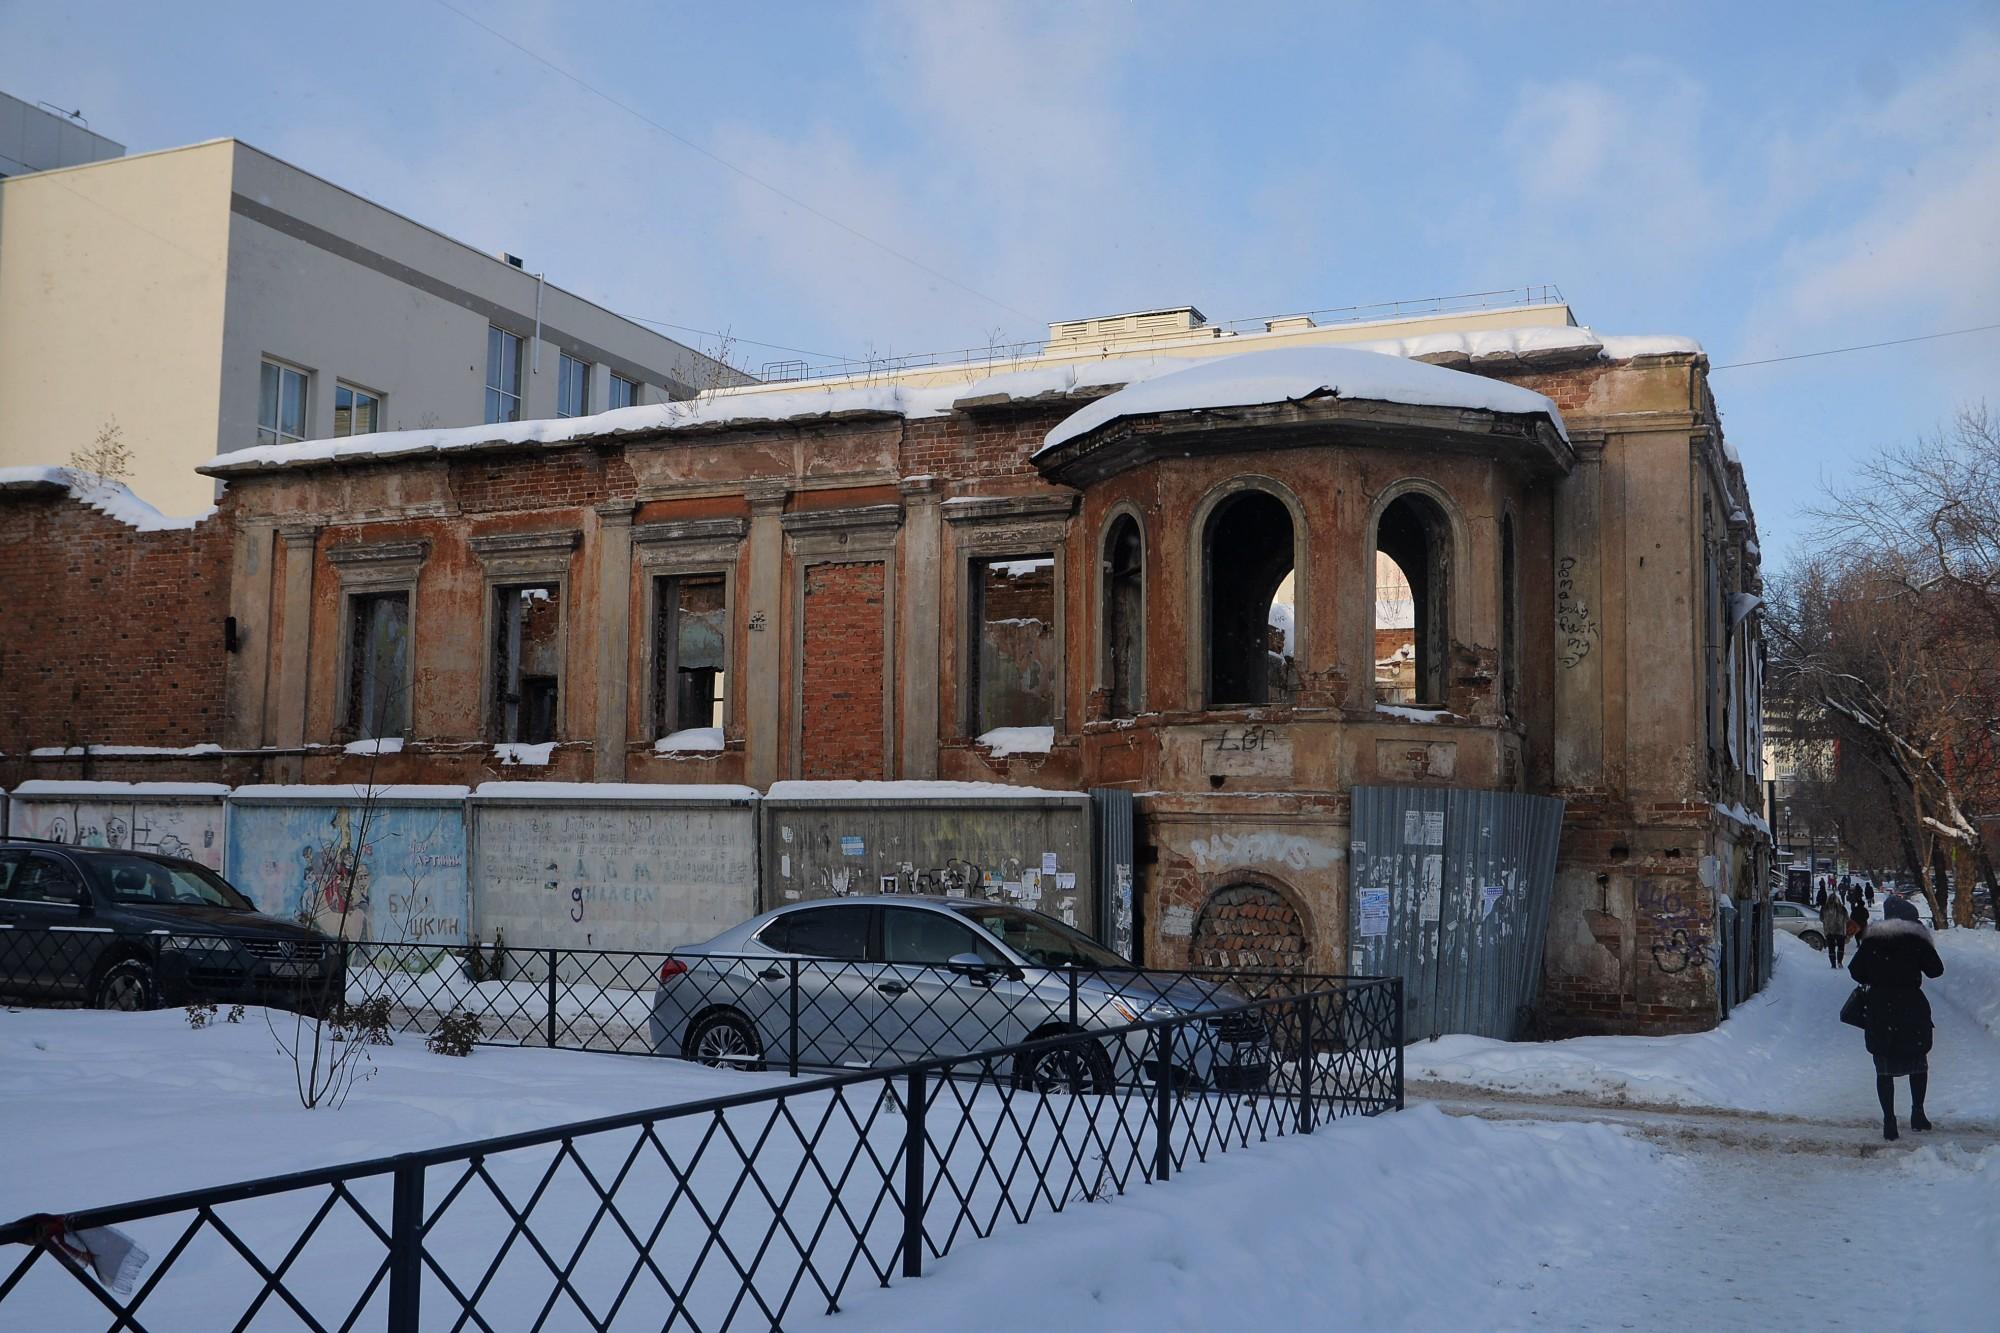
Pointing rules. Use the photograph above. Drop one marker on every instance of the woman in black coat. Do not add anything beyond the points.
(1896, 955)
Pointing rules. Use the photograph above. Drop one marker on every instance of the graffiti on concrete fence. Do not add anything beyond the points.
(393, 873)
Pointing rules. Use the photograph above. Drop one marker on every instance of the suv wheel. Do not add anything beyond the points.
(128, 986)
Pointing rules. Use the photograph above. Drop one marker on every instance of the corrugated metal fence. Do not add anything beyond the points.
(1450, 890)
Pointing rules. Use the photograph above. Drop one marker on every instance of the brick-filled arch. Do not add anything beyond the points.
(1249, 926)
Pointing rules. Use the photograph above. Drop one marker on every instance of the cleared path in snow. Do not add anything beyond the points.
(1790, 1209)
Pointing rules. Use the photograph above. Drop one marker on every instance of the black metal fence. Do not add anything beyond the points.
(750, 1011)
(738, 1211)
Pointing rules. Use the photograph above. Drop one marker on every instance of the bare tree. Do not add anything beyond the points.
(104, 463)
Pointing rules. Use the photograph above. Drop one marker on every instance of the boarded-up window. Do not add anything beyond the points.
(690, 633)
(527, 661)
(1013, 658)
(378, 659)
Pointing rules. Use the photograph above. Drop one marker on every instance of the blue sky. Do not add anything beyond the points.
(1770, 179)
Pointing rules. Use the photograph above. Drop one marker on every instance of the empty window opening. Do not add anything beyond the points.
(689, 680)
(1124, 615)
(1413, 574)
(527, 655)
(1510, 613)
(1013, 658)
(378, 703)
(1252, 621)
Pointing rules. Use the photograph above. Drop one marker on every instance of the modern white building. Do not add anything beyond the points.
(209, 298)
(34, 139)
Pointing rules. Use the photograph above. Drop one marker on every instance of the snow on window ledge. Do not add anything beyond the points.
(1409, 714)
(533, 756)
(1003, 741)
(385, 745)
(690, 738)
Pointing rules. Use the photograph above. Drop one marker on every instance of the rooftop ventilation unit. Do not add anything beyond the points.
(1145, 324)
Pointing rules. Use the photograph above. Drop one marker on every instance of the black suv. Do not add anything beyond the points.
(131, 930)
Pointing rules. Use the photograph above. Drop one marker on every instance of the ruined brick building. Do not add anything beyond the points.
(1146, 558)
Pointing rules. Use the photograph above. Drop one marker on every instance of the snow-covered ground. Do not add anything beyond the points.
(1542, 1186)
(1781, 1053)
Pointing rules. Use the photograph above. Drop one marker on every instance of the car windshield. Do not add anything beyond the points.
(140, 879)
(1040, 939)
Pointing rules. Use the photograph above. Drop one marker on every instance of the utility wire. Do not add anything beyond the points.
(754, 179)
(1859, 347)
(736, 338)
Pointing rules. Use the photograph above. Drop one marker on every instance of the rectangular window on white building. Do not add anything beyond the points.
(281, 404)
(503, 376)
(356, 411)
(624, 392)
(572, 387)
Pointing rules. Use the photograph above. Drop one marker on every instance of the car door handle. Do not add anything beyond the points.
(891, 987)
(773, 973)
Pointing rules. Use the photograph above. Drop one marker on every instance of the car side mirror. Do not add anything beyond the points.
(972, 967)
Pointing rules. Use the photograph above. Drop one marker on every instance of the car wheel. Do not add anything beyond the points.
(724, 1041)
(1080, 1066)
(1814, 938)
(128, 986)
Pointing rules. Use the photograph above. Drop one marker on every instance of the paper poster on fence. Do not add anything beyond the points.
(1374, 912)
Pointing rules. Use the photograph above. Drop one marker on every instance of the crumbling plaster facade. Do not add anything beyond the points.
(846, 545)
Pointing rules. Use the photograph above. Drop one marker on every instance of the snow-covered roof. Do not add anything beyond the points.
(612, 791)
(840, 399)
(809, 790)
(1289, 374)
(36, 789)
(884, 397)
(111, 498)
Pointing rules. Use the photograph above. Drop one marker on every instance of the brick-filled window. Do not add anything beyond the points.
(690, 643)
(527, 661)
(1012, 653)
(378, 665)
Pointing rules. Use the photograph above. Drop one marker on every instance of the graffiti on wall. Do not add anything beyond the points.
(392, 873)
(593, 877)
(1680, 932)
(190, 829)
(1576, 626)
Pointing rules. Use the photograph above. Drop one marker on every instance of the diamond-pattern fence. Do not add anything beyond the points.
(746, 1211)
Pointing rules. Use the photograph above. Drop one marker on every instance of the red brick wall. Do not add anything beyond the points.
(540, 481)
(842, 684)
(111, 636)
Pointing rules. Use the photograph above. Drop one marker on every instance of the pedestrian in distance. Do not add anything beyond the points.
(1868, 890)
(1895, 956)
(1833, 926)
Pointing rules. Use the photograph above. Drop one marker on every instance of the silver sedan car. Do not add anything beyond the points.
(878, 981)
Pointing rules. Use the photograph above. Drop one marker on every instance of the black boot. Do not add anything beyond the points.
(1885, 1092)
(1919, 1085)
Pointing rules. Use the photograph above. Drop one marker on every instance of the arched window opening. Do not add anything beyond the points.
(1124, 618)
(1510, 612)
(1413, 572)
(1251, 927)
(1252, 623)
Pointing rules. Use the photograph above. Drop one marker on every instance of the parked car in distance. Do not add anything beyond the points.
(122, 929)
(894, 979)
(1798, 920)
